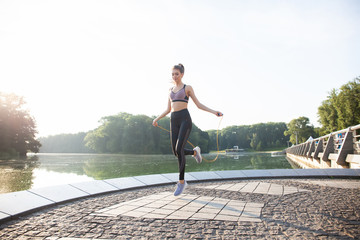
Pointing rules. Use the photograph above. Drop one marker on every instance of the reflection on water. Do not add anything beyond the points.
(44, 178)
(17, 174)
(52, 169)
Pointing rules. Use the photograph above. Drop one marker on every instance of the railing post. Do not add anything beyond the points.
(311, 149)
(329, 148)
(303, 145)
(346, 148)
(299, 149)
(318, 149)
(306, 148)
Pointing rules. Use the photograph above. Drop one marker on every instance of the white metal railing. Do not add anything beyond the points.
(331, 147)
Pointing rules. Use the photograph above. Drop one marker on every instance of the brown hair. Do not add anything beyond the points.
(179, 67)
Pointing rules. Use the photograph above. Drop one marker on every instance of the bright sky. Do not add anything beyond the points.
(257, 61)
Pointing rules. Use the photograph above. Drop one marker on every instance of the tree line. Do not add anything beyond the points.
(257, 137)
(127, 133)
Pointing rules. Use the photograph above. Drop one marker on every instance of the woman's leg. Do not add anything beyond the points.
(180, 130)
(183, 135)
(174, 133)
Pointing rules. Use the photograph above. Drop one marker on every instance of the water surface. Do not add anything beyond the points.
(43, 170)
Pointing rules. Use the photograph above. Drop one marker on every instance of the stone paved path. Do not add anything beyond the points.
(186, 207)
(281, 209)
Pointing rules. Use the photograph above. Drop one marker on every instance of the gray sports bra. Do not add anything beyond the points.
(179, 96)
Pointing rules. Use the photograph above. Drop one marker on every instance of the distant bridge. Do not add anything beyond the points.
(339, 149)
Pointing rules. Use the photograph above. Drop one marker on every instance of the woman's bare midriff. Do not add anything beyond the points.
(178, 106)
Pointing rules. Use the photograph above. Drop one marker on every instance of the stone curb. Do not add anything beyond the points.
(15, 204)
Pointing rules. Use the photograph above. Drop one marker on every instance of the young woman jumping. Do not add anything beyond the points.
(180, 122)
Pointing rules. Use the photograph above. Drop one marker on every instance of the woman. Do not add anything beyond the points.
(180, 123)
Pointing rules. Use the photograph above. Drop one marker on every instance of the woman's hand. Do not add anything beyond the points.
(219, 114)
(155, 124)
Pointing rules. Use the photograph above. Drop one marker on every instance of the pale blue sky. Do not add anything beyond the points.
(256, 61)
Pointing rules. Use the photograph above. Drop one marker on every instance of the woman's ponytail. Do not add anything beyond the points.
(179, 67)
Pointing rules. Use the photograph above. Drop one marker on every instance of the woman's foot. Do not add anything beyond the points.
(180, 187)
(197, 154)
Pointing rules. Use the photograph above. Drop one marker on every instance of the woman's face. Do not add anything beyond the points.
(177, 75)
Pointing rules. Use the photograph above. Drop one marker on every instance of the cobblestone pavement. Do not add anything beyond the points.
(314, 209)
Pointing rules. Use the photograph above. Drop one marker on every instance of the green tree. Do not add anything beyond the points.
(348, 104)
(341, 109)
(212, 139)
(255, 142)
(300, 130)
(17, 127)
(328, 115)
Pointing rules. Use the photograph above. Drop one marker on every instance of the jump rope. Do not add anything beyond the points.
(217, 141)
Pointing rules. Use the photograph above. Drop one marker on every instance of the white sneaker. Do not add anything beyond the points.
(198, 154)
(180, 188)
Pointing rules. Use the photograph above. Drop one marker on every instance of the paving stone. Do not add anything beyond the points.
(125, 183)
(230, 212)
(237, 187)
(145, 209)
(183, 215)
(204, 175)
(257, 173)
(283, 172)
(205, 216)
(246, 214)
(59, 193)
(18, 202)
(153, 179)
(237, 203)
(250, 187)
(3, 216)
(134, 214)
(341, 172)
(262, 188)
(276, 189)
(191, 208)
(311, 172)
(231, 174)
(210, 210)
(95, 187)
(163, 211)
(223, 186)
(174, 177)
(120, 210)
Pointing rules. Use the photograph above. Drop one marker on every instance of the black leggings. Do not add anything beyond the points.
(180, 126)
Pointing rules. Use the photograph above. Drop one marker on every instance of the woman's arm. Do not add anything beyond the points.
(201, 106)
(166, 112)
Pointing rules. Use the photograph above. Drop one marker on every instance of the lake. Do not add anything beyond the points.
(41, 170)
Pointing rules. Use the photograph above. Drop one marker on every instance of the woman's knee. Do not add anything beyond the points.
(178, 151)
